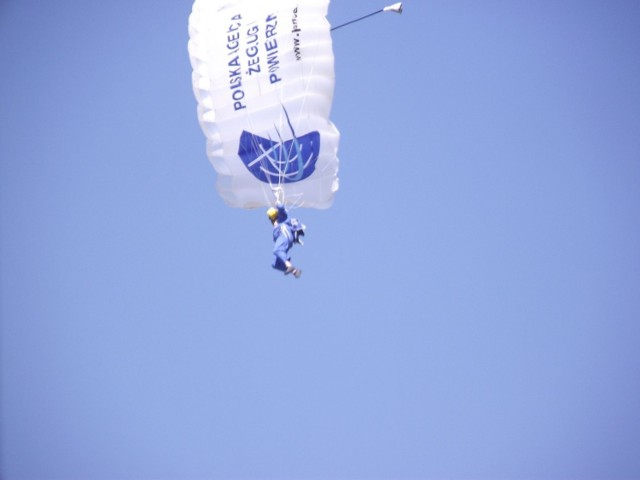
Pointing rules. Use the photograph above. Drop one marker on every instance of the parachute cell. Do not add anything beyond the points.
(263, 77)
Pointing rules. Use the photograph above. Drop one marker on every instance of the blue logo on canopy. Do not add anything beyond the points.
(280, 161)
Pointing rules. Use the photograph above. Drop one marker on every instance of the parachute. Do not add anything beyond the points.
(263, 77)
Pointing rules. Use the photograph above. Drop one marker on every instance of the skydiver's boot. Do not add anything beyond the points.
(291, 269)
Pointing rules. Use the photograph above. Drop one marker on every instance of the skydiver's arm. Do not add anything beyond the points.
(282, 214)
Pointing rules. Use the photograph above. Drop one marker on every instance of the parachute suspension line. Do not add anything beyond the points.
(294, 145)
(281, 171)
(396, 7)
(265, 162)
(255, 144)
(281, 158)
(268, 160)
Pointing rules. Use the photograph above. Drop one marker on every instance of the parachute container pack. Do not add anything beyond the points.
(263, 77)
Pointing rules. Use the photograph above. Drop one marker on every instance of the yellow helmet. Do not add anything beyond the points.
(272, 213)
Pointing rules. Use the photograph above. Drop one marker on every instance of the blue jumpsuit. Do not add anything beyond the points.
(283, 238)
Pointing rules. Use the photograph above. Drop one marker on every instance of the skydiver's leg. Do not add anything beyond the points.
(278, 263)
(285, 265)
(280, 253)
(282, 259)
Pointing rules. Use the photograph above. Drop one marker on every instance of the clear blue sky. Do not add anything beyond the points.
(470, 305)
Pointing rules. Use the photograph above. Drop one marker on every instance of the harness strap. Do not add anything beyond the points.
(286, 232)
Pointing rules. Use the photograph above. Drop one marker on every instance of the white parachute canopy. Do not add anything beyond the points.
(263, 76)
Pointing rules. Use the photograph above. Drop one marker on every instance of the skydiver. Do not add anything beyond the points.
(286, 232)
